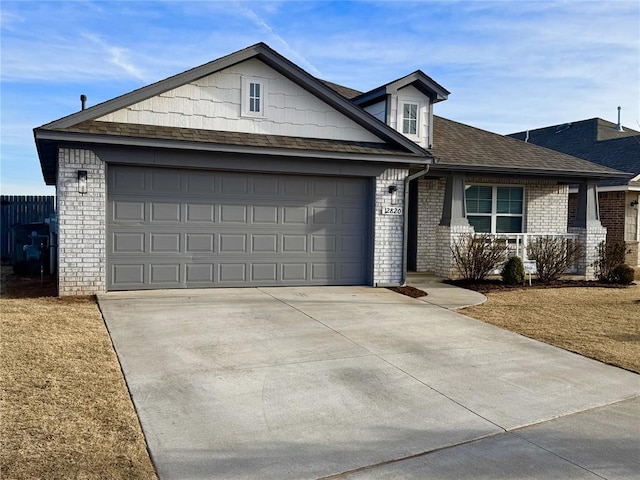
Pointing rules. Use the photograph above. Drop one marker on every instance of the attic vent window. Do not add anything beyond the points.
(254, 94)
(254, 97)
(410, 118)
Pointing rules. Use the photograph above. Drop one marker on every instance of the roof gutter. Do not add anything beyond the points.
(405, 235)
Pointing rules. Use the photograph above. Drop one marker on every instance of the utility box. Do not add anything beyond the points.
(31, 247)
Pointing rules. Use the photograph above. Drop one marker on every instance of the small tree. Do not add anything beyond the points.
(553, 256)
(477, 255)
(513, 271)
(610, 255)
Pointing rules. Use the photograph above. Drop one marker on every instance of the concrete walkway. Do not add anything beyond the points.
(442, 294)
(361, 383)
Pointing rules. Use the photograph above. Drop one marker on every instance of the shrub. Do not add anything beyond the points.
(513, 271)
(553, 256)
(623, 274)
(610, 255)
(477, 255)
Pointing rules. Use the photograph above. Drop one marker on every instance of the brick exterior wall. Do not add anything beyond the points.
(81, 223)
(590, 237)
(545, 212)
(430, 201)
(614, 208)
(388, 230)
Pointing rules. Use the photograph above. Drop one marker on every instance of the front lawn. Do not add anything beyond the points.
(601, 323)
(65, 410)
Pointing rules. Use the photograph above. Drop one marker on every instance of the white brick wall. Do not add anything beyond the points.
(546, 206)
(388, 247)
(590, 237)
(81, 222)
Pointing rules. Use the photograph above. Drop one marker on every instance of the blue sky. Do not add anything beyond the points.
(510, 65)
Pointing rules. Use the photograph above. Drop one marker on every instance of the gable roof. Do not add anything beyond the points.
(417, 79)
(47, 135)
(462, 147)
(595, 140)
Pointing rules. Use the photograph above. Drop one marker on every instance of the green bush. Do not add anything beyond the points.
(623, 275)
(513, 271)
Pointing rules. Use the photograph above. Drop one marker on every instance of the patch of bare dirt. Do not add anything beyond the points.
(409, 291)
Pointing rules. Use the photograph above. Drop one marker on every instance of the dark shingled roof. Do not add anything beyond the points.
(595, 140)
(233, 138)
(346, 92)
(462, 145)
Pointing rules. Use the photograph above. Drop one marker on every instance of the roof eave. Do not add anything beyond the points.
(72, 137)
(538, 172)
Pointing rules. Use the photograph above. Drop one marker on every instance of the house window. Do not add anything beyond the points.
(495, 209)
(410, 118)
(254, 93)
(254, 97)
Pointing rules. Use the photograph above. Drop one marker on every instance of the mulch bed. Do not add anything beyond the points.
(491, 285)
(412, 292)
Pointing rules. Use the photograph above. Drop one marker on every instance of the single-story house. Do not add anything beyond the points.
(249, 171)
(610, 145)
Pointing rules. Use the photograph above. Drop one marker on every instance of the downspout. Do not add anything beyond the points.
(408, 179)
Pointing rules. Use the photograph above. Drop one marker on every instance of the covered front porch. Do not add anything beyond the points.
(516, 210)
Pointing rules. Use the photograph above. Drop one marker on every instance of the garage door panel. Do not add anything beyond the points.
(165, 242)
(267, 243)
(128, 211)
(232, 273)
(128, 242)
(200, 213)
(201, 183)
(264, 214)
(165, 212)
(198, 229)
(165, 182)
(164, 273)
(129, 275)
(295, 216)
(199, 243)
(199, 273)
(233, 214)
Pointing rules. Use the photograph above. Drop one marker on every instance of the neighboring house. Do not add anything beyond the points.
(248, 171)
(610, 145)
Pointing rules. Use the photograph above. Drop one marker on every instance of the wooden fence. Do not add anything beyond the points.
(19, 209)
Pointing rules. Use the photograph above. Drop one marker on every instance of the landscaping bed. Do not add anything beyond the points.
(496, 285)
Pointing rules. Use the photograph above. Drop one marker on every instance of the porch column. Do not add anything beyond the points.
(588, 227)
(453, 225)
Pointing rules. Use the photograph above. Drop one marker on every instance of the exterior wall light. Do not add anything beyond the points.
(634, 203)
(393, 190)
(82, 181)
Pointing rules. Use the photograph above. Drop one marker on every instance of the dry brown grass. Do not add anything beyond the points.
(601, 323)
(65, 410)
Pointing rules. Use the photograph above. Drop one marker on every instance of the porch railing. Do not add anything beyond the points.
(518, 243)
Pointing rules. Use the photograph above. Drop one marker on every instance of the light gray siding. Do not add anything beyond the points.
(178, 228)
(214, 103)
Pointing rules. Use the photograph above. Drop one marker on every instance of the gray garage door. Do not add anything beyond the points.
(170, 228)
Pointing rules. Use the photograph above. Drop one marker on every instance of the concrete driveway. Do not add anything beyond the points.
(361, 383)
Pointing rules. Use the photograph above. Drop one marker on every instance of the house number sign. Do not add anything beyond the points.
(392, 210)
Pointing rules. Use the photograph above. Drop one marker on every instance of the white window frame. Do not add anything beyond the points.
(494, 206)
(401, 118)
(246, 98)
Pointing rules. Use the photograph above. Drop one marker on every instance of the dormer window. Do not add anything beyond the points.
(254, 94)
(410, 118)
